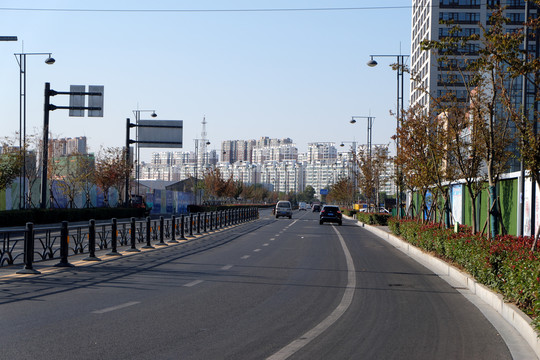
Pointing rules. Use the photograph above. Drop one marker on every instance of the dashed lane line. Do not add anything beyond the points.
(193, 283)
(117, 307)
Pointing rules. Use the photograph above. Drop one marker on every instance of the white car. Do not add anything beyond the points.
(302, 206)
(284, 208)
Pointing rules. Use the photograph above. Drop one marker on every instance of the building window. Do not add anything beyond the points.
(460, 17)
(459, 3)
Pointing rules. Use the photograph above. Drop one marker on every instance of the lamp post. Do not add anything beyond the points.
(137, 114)
(21, 60)
(354, 169)
(369, 140)
(399, 113)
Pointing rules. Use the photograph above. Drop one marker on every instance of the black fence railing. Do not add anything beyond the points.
(33, 244)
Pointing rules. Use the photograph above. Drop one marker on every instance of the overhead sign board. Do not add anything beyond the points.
(76, 100)
(95, 100)
(160, 133)
(324, 191)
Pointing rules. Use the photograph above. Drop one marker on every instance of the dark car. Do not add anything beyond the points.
(330, 213)
(316, 208)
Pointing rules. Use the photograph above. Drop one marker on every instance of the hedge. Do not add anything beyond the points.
(373, 218)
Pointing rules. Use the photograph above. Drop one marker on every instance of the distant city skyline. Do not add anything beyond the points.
(274, 163)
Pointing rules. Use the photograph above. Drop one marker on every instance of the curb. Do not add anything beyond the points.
(510, 313)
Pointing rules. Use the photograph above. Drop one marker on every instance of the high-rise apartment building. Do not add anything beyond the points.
(323, 152)
(68, 146)
(237, 150)
(438, 79)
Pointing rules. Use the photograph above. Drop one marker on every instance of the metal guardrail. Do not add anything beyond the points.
(59, 242)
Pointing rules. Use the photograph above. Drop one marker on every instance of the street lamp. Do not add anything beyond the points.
(21, 60)
(137, 114)
(399, 113)
(369, 128)
(354, 168)
(369, 135)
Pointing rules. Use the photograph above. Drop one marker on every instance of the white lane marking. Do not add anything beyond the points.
(193, 283)
(256, 250)
(117, 307)
(272, 239)
(227, 267)
(346, 301)
(245, 257)
(266, 244)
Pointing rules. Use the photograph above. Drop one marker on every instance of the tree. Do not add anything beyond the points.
(125, 168)
(110, 170)
(415, 156)
(256, 192)
(32, 177)
(214, 183)
(31, 171)
(490, 82)
(307, 195)
(372, 167)
(342, 191)
(366, 177)
(233, 189)
(77, 173)
(11, 161)
(465, 146)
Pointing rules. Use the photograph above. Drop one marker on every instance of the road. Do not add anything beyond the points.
(267, 289)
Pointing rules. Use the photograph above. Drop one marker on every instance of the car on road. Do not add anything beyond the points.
(302, 206)
(330, 213)
(316, 208)
(283, 208)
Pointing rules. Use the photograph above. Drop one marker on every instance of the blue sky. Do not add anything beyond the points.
(297, 74)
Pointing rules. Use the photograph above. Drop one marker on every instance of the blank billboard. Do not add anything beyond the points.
(160, 133)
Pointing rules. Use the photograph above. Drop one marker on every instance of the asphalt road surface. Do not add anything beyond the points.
(267, 289)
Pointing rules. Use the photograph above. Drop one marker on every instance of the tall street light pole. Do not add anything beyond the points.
(399, 114)
(21, 60)
(354, 168)
(369, 140)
